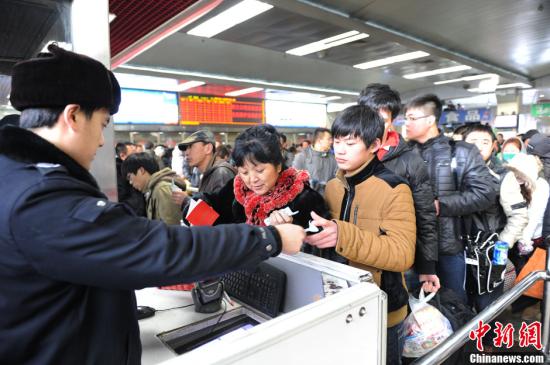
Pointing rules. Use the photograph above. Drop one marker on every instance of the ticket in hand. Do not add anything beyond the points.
(286, 211)
(312, 229)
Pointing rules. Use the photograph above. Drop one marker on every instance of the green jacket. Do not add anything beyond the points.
(158, 198)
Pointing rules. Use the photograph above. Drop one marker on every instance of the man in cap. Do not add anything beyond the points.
(528, 135)
(539, 145)
(70, 259)
(200, 152)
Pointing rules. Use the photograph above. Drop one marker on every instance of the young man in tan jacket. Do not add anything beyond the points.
(374, 224)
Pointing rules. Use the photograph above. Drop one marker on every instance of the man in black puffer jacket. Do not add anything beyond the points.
(461, 183)
(402, 160)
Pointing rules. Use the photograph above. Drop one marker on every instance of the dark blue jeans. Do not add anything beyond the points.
(395, 341)
(451, 270)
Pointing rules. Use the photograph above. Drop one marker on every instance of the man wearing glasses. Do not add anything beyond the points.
(461, 183)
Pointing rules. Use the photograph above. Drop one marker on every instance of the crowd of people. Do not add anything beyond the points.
(399, 208)
(392, 206)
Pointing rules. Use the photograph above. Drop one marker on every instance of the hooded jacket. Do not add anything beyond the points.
(405, 162)
(527, 168)
(374, 211)
(71, 259)
(462, 184)
(158, 197)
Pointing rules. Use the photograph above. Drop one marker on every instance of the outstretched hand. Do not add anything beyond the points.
(328, 237)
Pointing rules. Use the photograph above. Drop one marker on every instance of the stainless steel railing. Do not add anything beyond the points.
(461, 336)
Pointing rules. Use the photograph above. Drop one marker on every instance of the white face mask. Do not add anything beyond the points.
(159, 151)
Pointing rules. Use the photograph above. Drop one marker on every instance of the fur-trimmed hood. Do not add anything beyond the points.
(25, 146)
(526, 167)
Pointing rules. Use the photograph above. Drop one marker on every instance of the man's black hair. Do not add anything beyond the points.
(478, 127)
(137, 160)
(380, 96)
(359, 121)
(282, 137)
(430, 101)
(223, 152)
(47, 117)
(121, 148)
(318, 133)
(462, 130)
(258, 144)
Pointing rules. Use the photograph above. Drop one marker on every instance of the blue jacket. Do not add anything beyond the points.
(70, 259)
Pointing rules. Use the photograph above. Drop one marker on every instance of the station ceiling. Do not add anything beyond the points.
(510, 38)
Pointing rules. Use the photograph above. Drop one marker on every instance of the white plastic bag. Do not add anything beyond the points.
(425, 327)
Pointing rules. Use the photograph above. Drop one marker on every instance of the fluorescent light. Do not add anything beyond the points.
(189, 85)
(204, 75)
(234, 15)
(244, 91)
(332, 98)
(392, 59)
(338, 107)
(517, 85)
(437, 72)
(326, 43)
(466, 78)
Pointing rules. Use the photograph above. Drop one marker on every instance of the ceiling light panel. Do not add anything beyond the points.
(189, 85)
(234, 15)
(327, 43)
(438, 71)
(466, 78)
(249, 90)
(393, 59)
(519, 85)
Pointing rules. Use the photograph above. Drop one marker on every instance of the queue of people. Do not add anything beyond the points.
(71, 258)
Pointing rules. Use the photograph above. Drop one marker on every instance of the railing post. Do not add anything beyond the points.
(546, 307)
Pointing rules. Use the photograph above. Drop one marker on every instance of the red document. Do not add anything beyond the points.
(201, 214)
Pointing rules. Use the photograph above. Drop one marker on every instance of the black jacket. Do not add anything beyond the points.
(403, 161)
(216, 176)
(308, 200)
(127, 194)
(461, 182)
(70, 259)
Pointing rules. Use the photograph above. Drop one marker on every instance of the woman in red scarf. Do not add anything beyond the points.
(264, 187)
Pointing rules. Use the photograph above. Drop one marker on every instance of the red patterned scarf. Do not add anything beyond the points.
(289, 184)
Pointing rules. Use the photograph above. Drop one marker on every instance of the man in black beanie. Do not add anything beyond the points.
(70, 259)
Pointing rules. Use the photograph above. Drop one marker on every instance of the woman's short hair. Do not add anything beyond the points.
(258, 144)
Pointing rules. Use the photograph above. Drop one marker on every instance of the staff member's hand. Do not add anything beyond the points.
(278, 217)
(292, 237)
(430, 284)
(327, 237)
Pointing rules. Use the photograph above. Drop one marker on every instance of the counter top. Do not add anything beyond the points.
(167, 318)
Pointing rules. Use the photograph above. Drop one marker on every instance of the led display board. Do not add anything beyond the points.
(198, 109)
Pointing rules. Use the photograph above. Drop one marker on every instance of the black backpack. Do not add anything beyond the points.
(458, 314)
